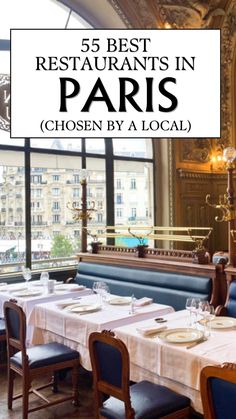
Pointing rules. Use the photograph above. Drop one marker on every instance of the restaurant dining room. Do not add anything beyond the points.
(118, 255)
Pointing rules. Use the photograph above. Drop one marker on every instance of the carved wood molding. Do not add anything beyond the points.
(167, 254)
(186, 174)
(177, 13)
(228, 34)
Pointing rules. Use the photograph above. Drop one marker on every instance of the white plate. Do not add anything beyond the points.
(3, 286)
(84, 308)
(181, 335)
(38, 283)
(27, 293)
(120, 300)
(69, 287)
(220, 322)
(17, 288)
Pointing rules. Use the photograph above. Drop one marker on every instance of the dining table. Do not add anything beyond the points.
(174, 354)
(35, 292)
(71, 323)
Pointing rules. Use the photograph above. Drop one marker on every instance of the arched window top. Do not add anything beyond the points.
(134, 147)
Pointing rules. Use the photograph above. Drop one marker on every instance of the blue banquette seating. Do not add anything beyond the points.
(229, 309)
(164, 287)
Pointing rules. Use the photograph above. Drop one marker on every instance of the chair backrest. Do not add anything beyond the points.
(15, 328)
(218, 391)
(231, 303)
(110, 364)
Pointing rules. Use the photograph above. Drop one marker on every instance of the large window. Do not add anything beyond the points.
(40, 179)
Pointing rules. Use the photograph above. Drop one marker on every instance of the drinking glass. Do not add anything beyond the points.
(105, 293)
(97, 289)
(44, 277)
(189, 307)
(195, 309)
(26, 272)
(209, 317)
(204, 309)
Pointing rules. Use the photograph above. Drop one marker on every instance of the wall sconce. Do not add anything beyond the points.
(226, 203)
(217, 161)
(83, 213)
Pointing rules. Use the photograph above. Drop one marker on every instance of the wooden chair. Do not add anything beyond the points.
(110, 366)
(218, 391)
(229, 309)
(69, 280)
(2, 342)
(35, 362)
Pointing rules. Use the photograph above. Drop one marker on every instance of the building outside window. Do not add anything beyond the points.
(133, 213)
(119, 198)
(133, 183)
(118, 184)
(55, 191)
(29, 218)
(56, 218)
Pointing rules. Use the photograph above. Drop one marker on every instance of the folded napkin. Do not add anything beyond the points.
(143, 301)
(149, 330)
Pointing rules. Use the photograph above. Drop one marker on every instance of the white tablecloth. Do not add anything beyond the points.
(51, 322)
(28, 303)
(174, 364)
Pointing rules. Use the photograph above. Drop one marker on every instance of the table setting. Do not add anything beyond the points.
(175, 353)
(71, 321)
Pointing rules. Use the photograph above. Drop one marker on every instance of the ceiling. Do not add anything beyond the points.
(173, 13)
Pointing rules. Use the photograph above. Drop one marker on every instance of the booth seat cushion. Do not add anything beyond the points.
(231, 305)
(147, 276)
(47, 354)
(147, 399)
(164, 287)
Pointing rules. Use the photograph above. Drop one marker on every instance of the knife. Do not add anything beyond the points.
(192, 345)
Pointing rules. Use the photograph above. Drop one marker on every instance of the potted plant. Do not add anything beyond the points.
(141, 247)
(95, 243)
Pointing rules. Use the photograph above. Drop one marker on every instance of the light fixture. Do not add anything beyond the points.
(226, 203)
(83, 213)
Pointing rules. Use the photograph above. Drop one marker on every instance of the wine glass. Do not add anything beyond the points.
(195, 308)
(26, 272)
(96, 286)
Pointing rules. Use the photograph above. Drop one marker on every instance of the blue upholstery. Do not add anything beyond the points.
(149, 400)
(5, 45)
(2, 327)
(108, 356)
(14, 323)
(47, 354)
(224, 398)
(231, 305)
(164, 287)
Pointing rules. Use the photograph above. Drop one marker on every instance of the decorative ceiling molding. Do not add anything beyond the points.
(188, 13)
(174, 13)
